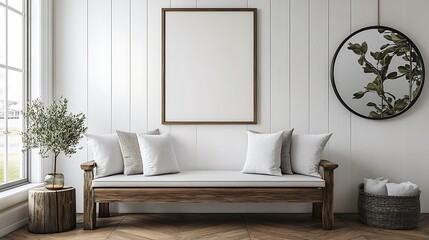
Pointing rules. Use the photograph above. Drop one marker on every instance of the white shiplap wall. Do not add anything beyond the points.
(107, 62)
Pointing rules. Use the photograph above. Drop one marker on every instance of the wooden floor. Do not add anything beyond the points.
(228, 226)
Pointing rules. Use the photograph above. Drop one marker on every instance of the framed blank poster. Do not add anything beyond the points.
(209, 66)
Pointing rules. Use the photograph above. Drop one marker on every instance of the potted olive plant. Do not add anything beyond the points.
(52, 130)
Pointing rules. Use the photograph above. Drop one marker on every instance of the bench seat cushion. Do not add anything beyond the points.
(209, 179)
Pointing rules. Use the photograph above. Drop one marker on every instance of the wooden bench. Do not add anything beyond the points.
(321, 197)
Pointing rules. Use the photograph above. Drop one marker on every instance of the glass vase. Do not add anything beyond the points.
(54, 181)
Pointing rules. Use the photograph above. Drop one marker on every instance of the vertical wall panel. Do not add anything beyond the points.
(221, 3)
(184, 3)
(408, 16)
(120, 65)
(70, 29)
(213, 140)
(364, 13)
(154, 64)
(263, 64)
(339, 117)
(280, 71)
(214, 147)
(318, 67)
(371, 135)
(299, 65)
(138, 72)
(99, 66)
(185, 136)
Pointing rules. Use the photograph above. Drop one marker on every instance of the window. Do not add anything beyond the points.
(13, 92)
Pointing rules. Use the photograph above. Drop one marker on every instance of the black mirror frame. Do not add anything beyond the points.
(333, 69)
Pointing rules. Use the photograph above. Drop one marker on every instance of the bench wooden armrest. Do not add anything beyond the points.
(88, 166)
(88, 195)
(326, 209)
(327, 165)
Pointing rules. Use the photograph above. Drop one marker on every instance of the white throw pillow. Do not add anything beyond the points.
(107, 154)
(133, 163)
(263, 153)
(402, 189)
(285, 164)
(158, 154)
(306, 153)
(375, 186)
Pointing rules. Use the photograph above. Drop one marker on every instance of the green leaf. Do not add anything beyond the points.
(364, 47)
(396, 37)
(358, 95)
(387, 59)
(369, 69)
(380, 91)
(371, 104)
(373, 114)
(388, 37)
(356, 48)
(384, 46)
(371, 87)
(361, 59)
(392, 75)
(377, 55)
(377, 80)
(402, 69)
(400, 104)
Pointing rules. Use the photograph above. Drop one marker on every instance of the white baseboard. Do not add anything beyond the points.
(13, 218)
(13, 227)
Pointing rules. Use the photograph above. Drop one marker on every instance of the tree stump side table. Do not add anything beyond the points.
(51, 211)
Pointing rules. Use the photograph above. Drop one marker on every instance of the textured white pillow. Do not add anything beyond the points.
(306, 153)
(285, 165)
(402, 189)
(158, 154)
(375, 186)
(263, 153)
(133, 163)
(107, 154)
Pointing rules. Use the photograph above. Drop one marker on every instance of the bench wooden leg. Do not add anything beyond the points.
(103, 210)
(89, 206)
(328, 201)
(317, 209)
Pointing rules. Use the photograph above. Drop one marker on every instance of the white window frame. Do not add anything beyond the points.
(26, 86)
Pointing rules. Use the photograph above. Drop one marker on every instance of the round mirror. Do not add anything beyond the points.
(377, 72)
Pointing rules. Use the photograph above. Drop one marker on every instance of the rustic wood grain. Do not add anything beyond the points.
(89, 207)
(68, 204)
(208, 195)
(103, 210)
(52, 211)
(317, 210)
(327, 165)
(88, 166)
(328, 200)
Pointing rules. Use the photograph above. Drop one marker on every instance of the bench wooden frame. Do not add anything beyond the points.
(322, 198)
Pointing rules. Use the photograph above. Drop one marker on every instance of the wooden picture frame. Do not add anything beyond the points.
(209, 60)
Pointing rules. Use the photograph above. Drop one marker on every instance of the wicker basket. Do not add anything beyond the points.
(393, 212)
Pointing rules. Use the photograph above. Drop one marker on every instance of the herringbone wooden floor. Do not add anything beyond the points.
(228, 226)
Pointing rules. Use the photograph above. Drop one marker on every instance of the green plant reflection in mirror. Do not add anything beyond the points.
(391, 72)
